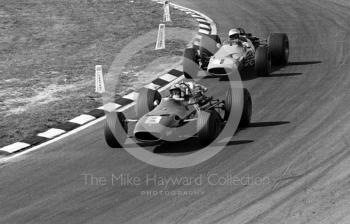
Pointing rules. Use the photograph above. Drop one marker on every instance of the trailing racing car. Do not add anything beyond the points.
(171, 118)
(239, 52)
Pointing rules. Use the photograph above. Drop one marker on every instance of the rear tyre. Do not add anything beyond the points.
(147, 100)
(279, 48)
(247, 110)
(262, 61)
(116, 129)
(209, 126)
(190, 63)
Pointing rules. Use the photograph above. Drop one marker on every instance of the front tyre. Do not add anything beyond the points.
(247, 110)
(147, 100)
(262, 61)
(190, 63)
(209, 126)
(116, 129)
(209, 46)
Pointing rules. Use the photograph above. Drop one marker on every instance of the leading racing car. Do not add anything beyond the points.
(171, 117)
(241, 51)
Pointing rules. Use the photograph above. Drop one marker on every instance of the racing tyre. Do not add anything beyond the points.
(208, 126)
(190, 63)
(247, 110)
(209, 45)
(217, 39)
(147, 100)
(116, 129)
(228, 104)
(279, 48)
(262, 61)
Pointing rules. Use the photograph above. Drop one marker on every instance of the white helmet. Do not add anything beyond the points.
(233, 33)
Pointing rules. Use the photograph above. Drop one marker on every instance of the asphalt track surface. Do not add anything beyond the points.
(299, 138)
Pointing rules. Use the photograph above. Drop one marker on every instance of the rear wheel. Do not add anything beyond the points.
(116, 129)
(247, 110)
(209, 126)
(279, 48)
(190, 63)
(147, 100)
(262, 61)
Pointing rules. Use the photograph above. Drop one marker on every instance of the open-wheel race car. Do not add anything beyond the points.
(236, 54)
(172, 119)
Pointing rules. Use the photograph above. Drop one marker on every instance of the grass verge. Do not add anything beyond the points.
(49, 49)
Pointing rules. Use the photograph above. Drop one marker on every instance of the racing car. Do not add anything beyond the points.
(162, 119)
(217, 58)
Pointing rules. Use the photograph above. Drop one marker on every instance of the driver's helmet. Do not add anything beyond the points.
(176, 91)
(234, 34)
(241, 31)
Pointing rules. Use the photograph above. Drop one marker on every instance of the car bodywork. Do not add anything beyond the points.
(235, 55)
(162, 122)
(232, 55)
(175, 119)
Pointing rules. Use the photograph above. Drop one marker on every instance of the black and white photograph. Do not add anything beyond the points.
(175, 111)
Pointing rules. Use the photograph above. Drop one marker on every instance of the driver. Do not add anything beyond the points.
(176, 92)
(187, 91)
(235, 36)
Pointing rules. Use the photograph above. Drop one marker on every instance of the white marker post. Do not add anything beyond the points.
(100, 85)
(166, 17)
(161, 37)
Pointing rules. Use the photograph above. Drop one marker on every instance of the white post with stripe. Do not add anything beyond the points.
(161, 37)
(166, 17)
(99, 82)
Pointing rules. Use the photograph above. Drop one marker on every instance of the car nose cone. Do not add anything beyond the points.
(154, 128)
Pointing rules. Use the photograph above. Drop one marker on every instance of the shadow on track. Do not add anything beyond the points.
(191, 145)
(303, 63)
(285, 74)
(221, 78)
(250, 74)
(267, 124)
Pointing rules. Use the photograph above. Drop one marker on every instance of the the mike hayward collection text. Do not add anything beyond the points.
(214, 179)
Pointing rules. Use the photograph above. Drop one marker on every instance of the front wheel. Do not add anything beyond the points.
(209, 46)
(209, 126)
(147, 100)
(247, 109)
(190, 63)
(116, 129)
(262, 61)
